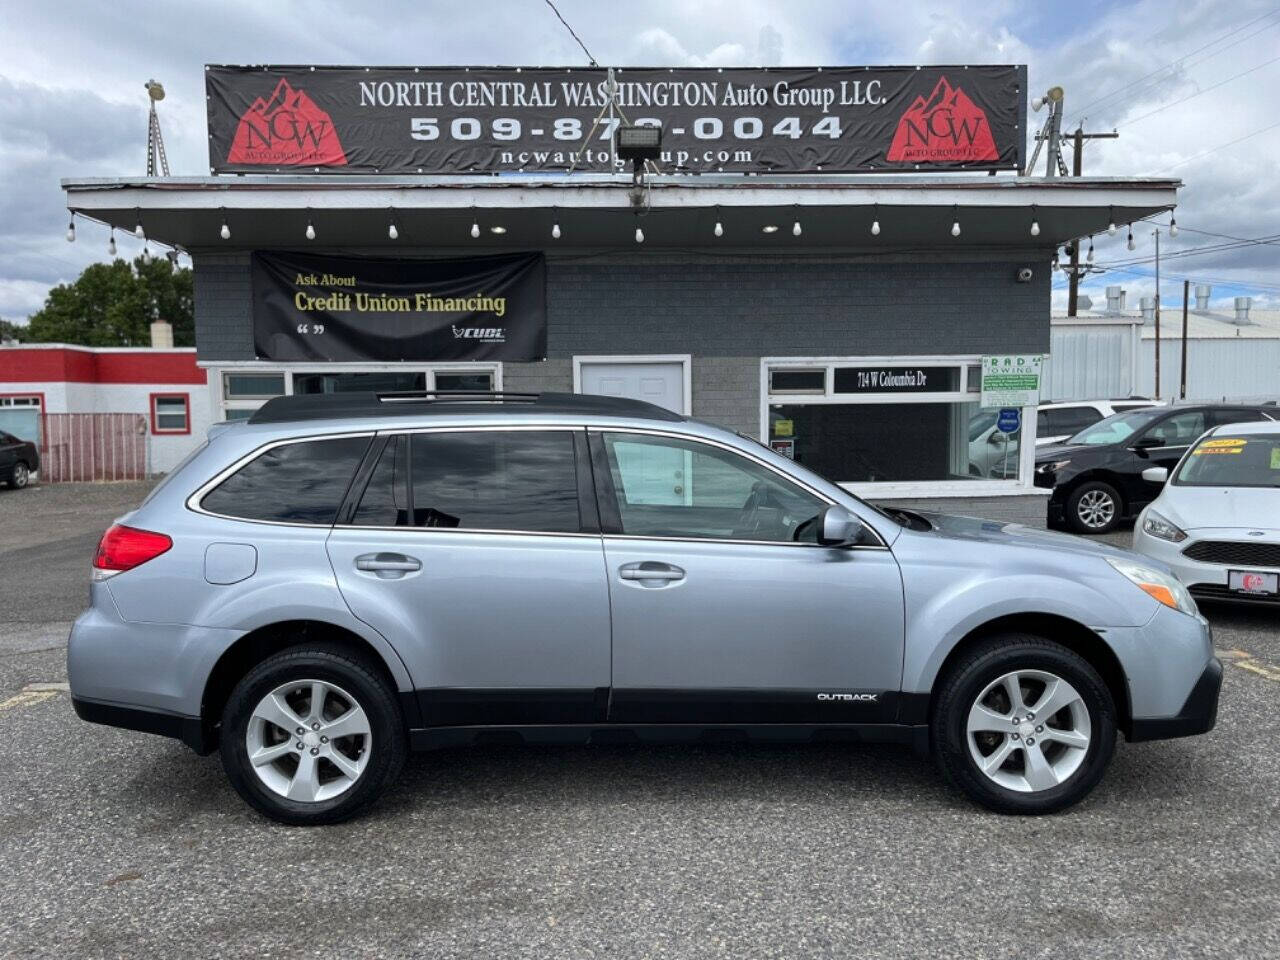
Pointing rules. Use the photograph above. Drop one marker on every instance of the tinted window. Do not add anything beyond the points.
(1178, 430)
(1219, 417)
(293, 483)
(464, 381)
(1070, 420)
(667, 487)
(385, 502)
(495, 480)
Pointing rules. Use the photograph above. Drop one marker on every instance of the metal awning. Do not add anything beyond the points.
(594, 211)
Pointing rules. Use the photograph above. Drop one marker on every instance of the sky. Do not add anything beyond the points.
(1187, 83)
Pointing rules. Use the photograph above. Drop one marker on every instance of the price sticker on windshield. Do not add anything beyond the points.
(1225, 445)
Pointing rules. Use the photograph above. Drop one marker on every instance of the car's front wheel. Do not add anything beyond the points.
(19, 475)
(1023, 725)
(312, 735)
(1094, 507)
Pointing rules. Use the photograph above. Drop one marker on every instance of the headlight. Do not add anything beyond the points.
(1162, 586)
(1158, 526)
(1052, 467)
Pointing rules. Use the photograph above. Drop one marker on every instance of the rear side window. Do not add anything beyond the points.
(292, 483)
(1069, 420)
(520, 480)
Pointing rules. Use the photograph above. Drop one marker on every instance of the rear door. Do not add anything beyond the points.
(477, 553)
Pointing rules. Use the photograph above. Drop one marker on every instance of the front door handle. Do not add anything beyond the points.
(650, 573)
(388, 565)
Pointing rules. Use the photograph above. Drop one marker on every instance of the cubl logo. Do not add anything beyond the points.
(946, 128)
(288, 129)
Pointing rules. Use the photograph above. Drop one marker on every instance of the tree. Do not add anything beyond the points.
(114, 304)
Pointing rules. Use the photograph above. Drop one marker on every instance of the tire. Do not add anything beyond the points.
(331, 781)
(1064, 772)
(19, 475)
(1094, 507)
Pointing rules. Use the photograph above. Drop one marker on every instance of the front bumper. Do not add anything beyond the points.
(1206, 581)
(1198, 714)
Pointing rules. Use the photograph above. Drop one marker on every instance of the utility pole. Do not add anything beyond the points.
(1077, 166)
(1156, 234)
(1182, 386)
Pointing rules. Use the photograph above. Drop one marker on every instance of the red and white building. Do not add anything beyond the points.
(164, 391)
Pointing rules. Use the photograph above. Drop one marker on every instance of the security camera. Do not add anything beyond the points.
(1025, 274)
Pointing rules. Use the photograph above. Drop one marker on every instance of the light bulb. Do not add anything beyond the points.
(139, 232)
(795, 229)
(555, 230)
(311, 231)
(475, 231)
(392, 232)
(955, 228)
(146, 255)
(1131, 244)
(1089, 258)
(1173, 227)
(639, 235)
(1111, 228)
(875, 228)
(1055, 263)
(71, 231)
(1035, 228)
(225, 232)
(111, 245)
(719, 229)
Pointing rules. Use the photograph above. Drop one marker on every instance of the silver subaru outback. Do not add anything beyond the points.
(339, 579)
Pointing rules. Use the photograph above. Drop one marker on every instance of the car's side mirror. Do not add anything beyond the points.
(837, 527)
(1145, 443)
(1155, 474)
(997, 439)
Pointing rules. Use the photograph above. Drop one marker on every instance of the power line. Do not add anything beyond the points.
(1191, 96)
(1210, 233)
(1187, 56)
(1195, 251)
(572, 33)
(1223, 146)
(1246, 284)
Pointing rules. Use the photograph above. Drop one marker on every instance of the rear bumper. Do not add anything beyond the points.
(187, 729)
(1198, 714)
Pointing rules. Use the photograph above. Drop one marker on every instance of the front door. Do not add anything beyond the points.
(1173, 435)
(657, 382)
(725, 608)
(471, 552)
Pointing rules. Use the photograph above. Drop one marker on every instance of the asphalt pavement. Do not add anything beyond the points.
(121, 844)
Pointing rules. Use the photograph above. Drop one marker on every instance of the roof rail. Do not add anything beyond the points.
(336, 406)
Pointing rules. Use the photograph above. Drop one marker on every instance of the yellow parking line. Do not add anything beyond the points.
(1253, 666)
(26, 698)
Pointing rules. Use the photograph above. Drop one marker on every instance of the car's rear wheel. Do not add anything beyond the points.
(1094, 507)
(19, 475)
(1023, 725)
(312, 735)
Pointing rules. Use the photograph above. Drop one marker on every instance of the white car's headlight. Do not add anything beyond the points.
(1161, 527)
(1162, 586)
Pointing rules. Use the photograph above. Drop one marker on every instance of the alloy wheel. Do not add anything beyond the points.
(21, 475)
(1096, 509)
(1029, 730)
(308, 740)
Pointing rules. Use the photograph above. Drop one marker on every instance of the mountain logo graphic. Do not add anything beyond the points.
(946, 128)
(287, 129)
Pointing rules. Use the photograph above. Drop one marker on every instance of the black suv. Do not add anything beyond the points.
(18, 460)
(1096, 475)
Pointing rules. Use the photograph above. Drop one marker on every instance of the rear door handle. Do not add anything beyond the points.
(650, 573)
(388, 565)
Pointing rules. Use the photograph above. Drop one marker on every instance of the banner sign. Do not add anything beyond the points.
(343, 309)
(1009, 380)
(449, 120)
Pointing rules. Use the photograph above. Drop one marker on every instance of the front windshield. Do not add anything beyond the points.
(1115, 429)
(1225, 461)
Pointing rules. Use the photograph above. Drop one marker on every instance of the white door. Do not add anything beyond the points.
(659, 473)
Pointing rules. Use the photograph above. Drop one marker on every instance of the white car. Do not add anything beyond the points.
(1217, 521)
(995, 454)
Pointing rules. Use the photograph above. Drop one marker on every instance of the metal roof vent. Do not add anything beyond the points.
(1115, 299)
(1242, 310)
(1203, 290)
(1148, 310)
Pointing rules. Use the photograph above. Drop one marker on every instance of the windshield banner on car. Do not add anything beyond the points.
(342, 309)
(450, 120)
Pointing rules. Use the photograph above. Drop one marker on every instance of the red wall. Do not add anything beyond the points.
(66, 364)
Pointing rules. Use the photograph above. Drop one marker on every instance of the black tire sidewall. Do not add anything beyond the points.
(1073, 507)
(361, 682)
(961, 690)
(13, 476)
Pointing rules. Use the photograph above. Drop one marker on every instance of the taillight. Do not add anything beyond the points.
(123, 548)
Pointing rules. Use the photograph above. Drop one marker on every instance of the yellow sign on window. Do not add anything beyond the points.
(784, 428)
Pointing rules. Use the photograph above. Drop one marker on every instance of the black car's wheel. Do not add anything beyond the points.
(1094, 507)
(19, 475)
(1023, 725)
(312, 736)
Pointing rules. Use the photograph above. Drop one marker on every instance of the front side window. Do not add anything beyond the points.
(670, 487)
(517, 480)
(1179, 430)
(1226, 461)
(292, 483)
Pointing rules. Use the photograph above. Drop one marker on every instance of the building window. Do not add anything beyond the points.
(898, 420)
(170, 413)
(21, 400)
(244, 392)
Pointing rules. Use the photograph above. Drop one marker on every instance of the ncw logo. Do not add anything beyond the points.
(946, 128)
(288, 128)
